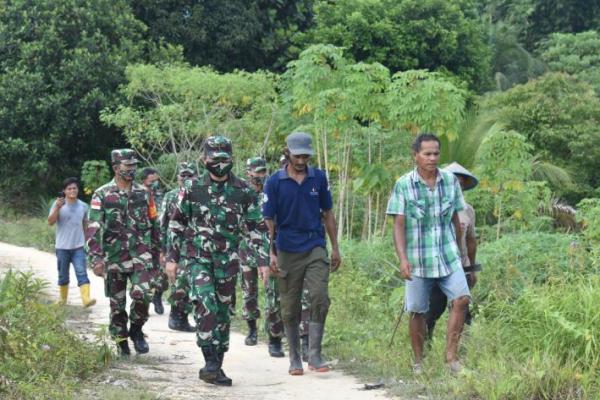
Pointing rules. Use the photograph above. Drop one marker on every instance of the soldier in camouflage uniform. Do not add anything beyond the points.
(122, 232)
(256, 171)
(151, 180)
(179, 298)
(212, 215)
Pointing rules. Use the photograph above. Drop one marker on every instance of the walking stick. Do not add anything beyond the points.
(396, 327)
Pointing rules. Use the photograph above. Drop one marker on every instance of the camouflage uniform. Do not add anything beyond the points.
(179, 298)
(122, 232)
(249, 283)
(206, 227)
(161, 281)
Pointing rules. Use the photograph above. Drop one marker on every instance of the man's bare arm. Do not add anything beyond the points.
(331, 228)
(399, 233)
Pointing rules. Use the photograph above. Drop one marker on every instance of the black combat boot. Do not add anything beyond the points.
(275, 347)
(304, 341)
(157, 302)
(293, 339)
(222, 379)
(211, 368)
(179, 322)
(123, 345)
(137, 337)
(251, 339)
(315, 337)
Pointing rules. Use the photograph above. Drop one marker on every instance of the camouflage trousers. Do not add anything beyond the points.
(115, 288)
(249, 283)
(273, 321)
(212, 292)
(160, 282)
(179, 299)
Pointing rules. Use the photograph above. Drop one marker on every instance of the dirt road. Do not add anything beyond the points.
(255, 375)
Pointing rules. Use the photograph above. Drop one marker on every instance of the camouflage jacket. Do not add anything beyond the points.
(247, 255)
(122, 227)
(210, 219)
(169, 201)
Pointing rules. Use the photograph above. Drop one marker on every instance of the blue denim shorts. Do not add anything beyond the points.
(418, 290)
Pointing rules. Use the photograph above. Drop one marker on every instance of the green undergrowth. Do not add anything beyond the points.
(24, 230)
(39, 357)
(536, 333)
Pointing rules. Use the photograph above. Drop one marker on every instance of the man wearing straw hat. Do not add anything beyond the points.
(468, 249)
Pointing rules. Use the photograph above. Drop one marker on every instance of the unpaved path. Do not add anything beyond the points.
(255, 375)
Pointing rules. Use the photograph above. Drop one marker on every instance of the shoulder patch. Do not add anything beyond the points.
(96, 204)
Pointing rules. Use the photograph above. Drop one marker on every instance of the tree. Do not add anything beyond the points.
(61, 62)
(228, 35)
(574, 53)
(168, 111)
(407, 34)
(559, 116)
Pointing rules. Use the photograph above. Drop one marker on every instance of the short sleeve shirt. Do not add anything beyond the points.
(69, 225)
(297, 209)
(431, 244)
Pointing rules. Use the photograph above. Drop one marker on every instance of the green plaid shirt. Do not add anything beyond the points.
(431, 246)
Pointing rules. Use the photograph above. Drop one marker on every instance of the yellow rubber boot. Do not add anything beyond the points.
(64, 292)
(85, 295)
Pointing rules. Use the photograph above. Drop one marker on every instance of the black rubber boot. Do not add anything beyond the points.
(137, 337)
(211, 368)
(315, 337)
(304, 341)
(123, 345)
(275, 347)
(251, 339)
(293, 339)
(222, 379)
(157, 302)
(179, 322)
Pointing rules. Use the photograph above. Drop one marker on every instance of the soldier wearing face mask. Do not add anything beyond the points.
(150, 178)
(122, 231)
(213, 214)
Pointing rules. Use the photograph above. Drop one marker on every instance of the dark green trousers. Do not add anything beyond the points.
(309, 270)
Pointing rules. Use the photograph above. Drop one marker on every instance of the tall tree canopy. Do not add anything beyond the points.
(61, 62)
(233, 34)
(407, 34)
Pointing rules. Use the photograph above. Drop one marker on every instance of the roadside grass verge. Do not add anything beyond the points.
(24, 230)
(536, 333)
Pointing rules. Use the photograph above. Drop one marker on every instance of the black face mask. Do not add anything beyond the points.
(127, 175)
(219, 168)
(258, 180)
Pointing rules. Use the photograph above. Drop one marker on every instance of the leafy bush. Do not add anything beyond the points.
(39, 356)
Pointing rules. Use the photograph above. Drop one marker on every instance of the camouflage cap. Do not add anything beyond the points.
(218, 147)
(256, 164)
(125, 156)
(186, 167)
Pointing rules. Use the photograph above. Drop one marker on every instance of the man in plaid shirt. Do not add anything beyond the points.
(425, 204)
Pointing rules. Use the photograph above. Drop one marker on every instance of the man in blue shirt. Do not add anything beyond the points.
(297, 201)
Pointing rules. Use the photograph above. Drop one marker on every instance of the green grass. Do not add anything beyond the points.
(39, 357)
(24, 230)
(536, 334)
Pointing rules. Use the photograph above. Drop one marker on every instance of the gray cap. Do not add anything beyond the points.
(300, 143)
(458, 169)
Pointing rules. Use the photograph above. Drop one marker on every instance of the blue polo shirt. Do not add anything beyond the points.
(297, 209)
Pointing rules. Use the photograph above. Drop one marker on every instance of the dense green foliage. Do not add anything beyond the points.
(39, 356)
(60, 64)
(247, 35)
(408, 34)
